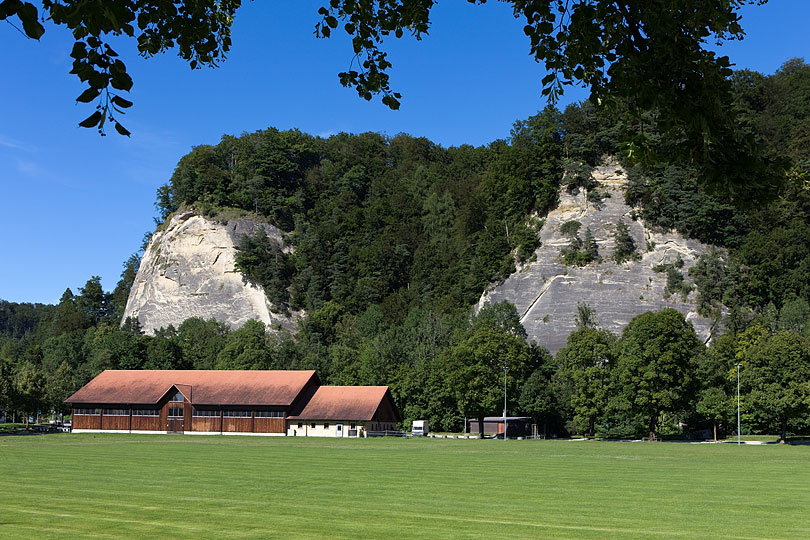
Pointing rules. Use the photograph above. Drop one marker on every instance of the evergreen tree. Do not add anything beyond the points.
(93, 302)
(68, 317)
(590, 249)
(624, 246)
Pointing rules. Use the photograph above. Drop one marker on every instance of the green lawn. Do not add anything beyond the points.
(160, 486)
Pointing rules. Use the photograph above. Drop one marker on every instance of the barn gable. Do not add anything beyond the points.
(360, 403)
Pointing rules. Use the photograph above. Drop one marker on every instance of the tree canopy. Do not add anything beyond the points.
(776, 374)
(651, 53)
(656, 364)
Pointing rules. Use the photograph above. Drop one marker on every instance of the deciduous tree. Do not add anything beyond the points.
(776, 380)
(656, 364)
(475, 363)
(29, 389)
(59, 385)
(588, 360)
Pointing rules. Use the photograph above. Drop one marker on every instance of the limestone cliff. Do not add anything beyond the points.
(546, 292)
(188, 271)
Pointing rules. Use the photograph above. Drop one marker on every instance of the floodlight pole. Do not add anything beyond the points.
(505, 369)
(738, 403)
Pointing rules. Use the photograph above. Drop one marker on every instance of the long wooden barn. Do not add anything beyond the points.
(229, 402)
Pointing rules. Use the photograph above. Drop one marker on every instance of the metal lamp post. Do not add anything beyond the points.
(738, 403)
(505, 369)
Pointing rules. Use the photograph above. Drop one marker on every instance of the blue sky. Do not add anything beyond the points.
(74, 205)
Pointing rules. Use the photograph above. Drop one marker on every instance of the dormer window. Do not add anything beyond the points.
(176, 397)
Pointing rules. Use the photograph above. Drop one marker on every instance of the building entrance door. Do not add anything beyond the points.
(174, 422)
(338, 430)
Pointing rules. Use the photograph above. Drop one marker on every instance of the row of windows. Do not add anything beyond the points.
(269, 414)
(325, 426)
(238, 413)
(117, 412)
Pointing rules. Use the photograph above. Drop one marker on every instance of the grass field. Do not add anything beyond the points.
(159, 486)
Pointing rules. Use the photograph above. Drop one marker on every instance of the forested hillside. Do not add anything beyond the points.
(396, 237)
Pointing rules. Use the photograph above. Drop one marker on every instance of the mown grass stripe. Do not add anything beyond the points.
(126, 486)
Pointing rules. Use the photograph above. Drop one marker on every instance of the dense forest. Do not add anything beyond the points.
(395, 238)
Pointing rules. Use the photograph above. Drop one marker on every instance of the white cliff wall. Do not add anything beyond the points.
(188, 271)
(546, 292)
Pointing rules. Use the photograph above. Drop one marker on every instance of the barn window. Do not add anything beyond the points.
(325, 426)
(313, 425)
(269, 414)
(145, 412)
(176, 397)
(87, 412)
(175, 412)
(116, 412)
(236, 413)
(205, 412)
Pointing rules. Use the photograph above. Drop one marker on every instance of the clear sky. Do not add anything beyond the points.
(74, 205)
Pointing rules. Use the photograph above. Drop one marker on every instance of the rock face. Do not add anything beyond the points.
(546, 292)
(188, 271)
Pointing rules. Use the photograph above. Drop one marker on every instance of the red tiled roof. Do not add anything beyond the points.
(342, 403)
(207, 387)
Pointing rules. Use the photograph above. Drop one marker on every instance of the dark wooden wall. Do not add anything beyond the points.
(119, 423)
(385, 411)
(206, 423)
(147, 423)
(237, 425)
(86, 422)
(268, 425)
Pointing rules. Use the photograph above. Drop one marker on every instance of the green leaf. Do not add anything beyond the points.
(121, 102)
(121, 81)
(88, 95)
(122, 130)
(28, 15)
(91, 120)
(79, 50)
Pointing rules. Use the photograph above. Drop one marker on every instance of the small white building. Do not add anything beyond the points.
(344, 411)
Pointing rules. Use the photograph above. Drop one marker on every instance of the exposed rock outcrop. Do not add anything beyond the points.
(546, 292)
(188, 271)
